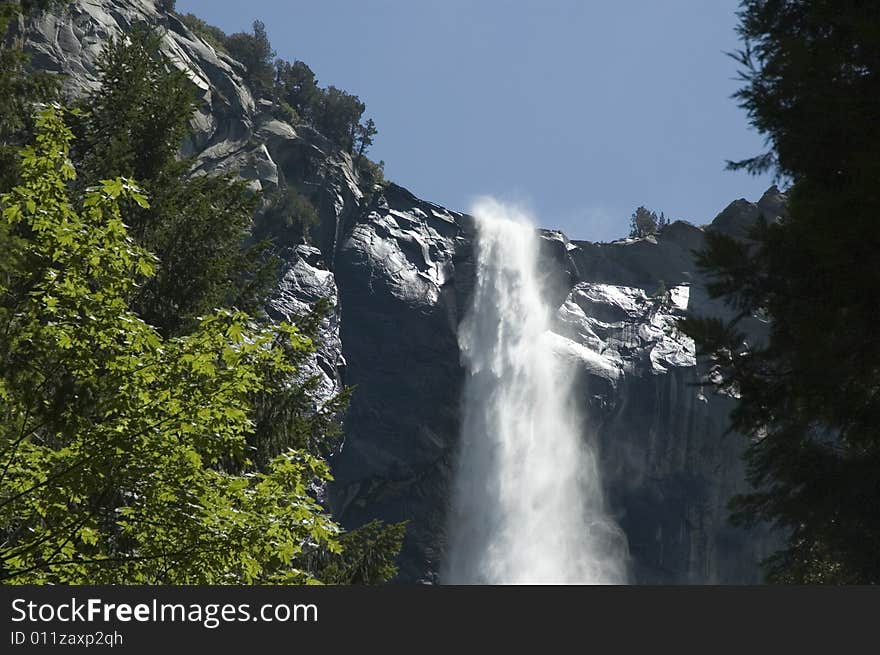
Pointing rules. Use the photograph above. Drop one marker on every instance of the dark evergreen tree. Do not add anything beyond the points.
(134, 126)
(367, 558)
(644, 222)
(810, 393)
(338, 116)
(254, 50)
(296, 85)
(293, 86)
(288, 219)
(210, 33)
(364, 136)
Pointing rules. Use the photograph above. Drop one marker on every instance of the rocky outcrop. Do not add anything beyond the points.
(400, 288)
(669, 463)
(305, 280)
(398, 272)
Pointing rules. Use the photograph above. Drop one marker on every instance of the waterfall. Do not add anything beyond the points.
(527, 505)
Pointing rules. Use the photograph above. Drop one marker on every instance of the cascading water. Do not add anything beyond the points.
(527, 505)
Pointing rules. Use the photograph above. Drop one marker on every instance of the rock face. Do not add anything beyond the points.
(669, 466)
(398, 272)
(305, 280)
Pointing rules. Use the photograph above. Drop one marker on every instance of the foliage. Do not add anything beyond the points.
(151, 455)
(663, 297)
(367, 557)
(364, 134)
(809, 393)
(371, 172)
(110, 435)
(295, 85)
(134, 126)
(288, 218)
(255, 52)
(284, 112)
(213, 35)
(337, 116)
(286, 416)
(13, 8)
(136, 121)
(333, 112)
(20, 88)
(370, 175)
(644, 222)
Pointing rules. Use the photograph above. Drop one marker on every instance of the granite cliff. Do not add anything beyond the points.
(399, 270)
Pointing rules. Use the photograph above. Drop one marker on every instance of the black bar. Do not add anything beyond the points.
(422, 618)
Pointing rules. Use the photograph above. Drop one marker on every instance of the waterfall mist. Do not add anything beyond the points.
(527, 505)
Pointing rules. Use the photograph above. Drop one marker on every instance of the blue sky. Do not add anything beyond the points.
(578, 110)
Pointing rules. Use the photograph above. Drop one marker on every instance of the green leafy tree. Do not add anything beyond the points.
(111, 437)
(133, 127)
(808, 392)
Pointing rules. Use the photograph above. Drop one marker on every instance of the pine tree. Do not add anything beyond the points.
(808, 393)
(134, 126)
(338, 116)
(254, 50)
(643, 222)
(295, 84)
(364, 136)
